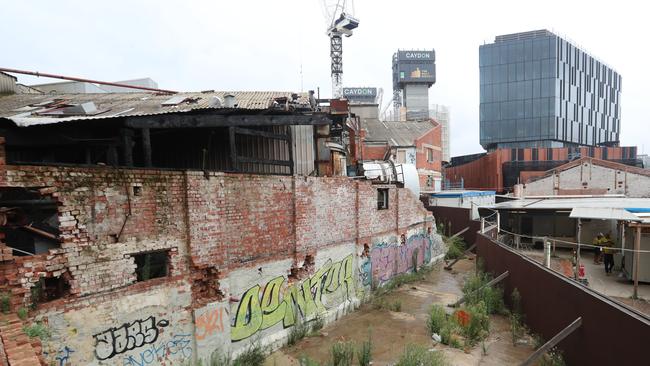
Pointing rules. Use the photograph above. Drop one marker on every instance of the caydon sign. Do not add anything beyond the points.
(365, 93)
(417, 55)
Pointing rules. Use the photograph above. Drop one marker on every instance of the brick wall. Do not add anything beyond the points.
(224, 234)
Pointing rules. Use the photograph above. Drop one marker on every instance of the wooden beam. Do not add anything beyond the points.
(553, 342)
(460, 232)
(233, 149)
(491, 283)
(186, 120)
(244, 159)
(448, 267)
(290, 146)
(146, 147)
(126, 140)
(270, 135)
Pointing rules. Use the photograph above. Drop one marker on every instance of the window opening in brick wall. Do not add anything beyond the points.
(50, 288)
(382, 198)
(151, 265)
(430, 155)
(29, 220)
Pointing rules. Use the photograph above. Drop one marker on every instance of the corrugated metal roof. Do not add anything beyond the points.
(16, 107)
(402, 133)
(603, 213)
(571, 203)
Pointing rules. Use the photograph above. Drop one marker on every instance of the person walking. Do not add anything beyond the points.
(608, 253)
(597, 242)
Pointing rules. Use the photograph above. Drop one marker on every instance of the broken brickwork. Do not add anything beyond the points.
(231, 241)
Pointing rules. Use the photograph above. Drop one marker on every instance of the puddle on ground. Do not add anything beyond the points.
(392, 331)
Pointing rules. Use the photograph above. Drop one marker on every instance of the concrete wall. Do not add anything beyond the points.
(249, 256)
(590, 178)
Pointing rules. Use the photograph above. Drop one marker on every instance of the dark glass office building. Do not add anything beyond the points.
(538, 90)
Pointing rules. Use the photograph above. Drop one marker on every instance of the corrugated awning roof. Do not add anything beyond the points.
(403, 133)
(21, 108)
(603, 213)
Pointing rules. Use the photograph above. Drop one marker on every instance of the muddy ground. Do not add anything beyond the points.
(392, 331)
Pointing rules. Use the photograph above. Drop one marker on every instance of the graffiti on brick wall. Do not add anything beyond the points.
(128, 336)
(365, 270)
(256, 313)
(210, 322)
(389, 259)
(179, 347)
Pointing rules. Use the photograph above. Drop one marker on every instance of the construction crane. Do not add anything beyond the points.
(341, 22)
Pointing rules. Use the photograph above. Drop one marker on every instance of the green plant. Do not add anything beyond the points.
(417, 355)
(552, 358)
(364, 352)
(437, 319)
(475, 291)
(342, 353)
(317, 324)
(5, 302)
(217, 359)
(478, 325)
(253, 356)
(306, 361)
(297, 332)
(484, 348)
(455, 247)
(22, 313)
(515, 298)
(37, 330)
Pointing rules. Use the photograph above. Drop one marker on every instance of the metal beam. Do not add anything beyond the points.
(185, 120)
(491, 283)
(553, 342)
(270, 135)
(233, 149)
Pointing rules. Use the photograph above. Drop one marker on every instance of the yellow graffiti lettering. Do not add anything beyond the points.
(249, 315)
(303, 299)
(272, 309)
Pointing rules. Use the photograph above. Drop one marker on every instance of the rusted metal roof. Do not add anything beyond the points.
(403, 133)
(22, 108)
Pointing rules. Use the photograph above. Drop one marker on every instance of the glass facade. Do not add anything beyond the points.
(538, 90)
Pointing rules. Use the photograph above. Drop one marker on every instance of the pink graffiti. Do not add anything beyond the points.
(390, 259)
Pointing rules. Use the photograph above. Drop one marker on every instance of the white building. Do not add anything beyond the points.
(440, 113)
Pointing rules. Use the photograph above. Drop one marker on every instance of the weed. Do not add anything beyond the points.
(484, 348)
(22, 313)
(381, 302)
(297, 332)
(552, 358)
(253, 356)
(475, 291)
(5, 302)
(342, 353)
(456, 247)
(416, 355)
(217, 359)
(364, 352)
(479, 323)
(37, 330)
(515, 297)
(306, 361)
(317, 324)
(538, 341)
(437, 319)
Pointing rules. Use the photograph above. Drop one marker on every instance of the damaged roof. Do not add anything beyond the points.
(37, 109)
(402, 133)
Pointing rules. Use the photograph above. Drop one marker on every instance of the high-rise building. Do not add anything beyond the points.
(539, 90)
(413, 74)
(440, 113)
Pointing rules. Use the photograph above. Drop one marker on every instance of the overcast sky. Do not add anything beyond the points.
(282, 45)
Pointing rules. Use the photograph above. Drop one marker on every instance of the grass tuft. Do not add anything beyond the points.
(342, 353)
(416, 355)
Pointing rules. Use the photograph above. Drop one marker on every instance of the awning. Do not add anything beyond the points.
(603, 213)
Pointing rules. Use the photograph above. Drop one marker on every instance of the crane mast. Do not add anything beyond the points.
(341, 24)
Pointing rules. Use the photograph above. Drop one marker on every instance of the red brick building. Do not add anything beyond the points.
(501, 169)
(175, 258)
(409, 142)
